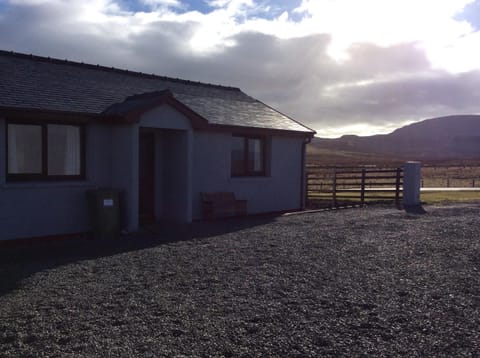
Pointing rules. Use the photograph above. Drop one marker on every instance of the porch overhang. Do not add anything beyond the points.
(131, 110)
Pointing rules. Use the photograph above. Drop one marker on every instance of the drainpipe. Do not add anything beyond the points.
(303, 181)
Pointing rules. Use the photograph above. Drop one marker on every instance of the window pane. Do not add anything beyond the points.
(63, 150)
(24, 149)
(238, 150)
(255, 155)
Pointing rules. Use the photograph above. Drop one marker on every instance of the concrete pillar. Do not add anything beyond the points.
(412, 177)
(125, 172)
(303, 171)
(189, 177)
(3, 129)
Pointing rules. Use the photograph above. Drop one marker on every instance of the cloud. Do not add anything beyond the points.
(376, 90)
(154, 3)
(384, 77)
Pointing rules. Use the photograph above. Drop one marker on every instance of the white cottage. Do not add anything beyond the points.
(67, 127)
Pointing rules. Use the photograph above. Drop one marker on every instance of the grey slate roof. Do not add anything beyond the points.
(34, 82)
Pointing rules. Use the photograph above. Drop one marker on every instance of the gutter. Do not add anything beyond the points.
(36, 114)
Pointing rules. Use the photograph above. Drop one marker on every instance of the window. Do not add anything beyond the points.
(248, 156)
(44, 151)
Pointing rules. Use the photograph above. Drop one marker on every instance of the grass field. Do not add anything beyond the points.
(450, 176)
(447, 173)
(438, 174)
(328, 157)
(448, 197)
(324, 200)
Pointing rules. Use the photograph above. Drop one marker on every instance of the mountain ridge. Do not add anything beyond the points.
(442, 138)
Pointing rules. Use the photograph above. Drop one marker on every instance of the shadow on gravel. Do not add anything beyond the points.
(18, 263)
(415, 209)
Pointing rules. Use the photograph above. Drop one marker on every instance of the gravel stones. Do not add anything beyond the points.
(357, 282)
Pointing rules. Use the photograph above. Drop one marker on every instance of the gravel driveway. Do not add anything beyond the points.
(356, 282)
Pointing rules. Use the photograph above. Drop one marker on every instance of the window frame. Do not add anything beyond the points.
(44, 176)
(246, 172)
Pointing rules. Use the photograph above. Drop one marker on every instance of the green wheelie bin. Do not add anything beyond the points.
(104, 211)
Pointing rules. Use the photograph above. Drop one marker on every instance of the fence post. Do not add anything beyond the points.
(397, 188)
(411, 184)
(334, 188)
(362, 190)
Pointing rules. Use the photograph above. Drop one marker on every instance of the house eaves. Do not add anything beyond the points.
(32, 83)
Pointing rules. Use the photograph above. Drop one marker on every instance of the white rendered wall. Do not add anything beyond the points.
(165, 117)
(36, 208)
(188, 163)
(279, 190)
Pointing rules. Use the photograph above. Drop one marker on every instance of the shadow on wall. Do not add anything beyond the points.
(19, 263)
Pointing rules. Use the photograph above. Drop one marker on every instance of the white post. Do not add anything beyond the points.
(411, 183)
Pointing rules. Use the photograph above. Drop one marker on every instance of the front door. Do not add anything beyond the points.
(146, 178)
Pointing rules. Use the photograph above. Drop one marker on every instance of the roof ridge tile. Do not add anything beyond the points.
(113, 69)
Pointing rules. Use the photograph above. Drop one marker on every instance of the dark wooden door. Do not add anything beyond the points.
(146, 178)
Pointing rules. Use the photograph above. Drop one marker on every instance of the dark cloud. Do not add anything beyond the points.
(370, 60)
(51, 30)
(398, 100)
(381, 86)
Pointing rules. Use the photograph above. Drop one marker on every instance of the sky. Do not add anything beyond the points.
(338, 66)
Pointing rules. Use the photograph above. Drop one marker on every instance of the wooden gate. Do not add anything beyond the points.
(334, 187)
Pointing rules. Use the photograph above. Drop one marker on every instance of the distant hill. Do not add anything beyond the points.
(444, 138)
